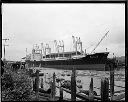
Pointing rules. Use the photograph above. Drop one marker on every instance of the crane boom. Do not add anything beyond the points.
(100, 41)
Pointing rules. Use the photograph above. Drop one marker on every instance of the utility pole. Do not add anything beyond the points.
(4, 47)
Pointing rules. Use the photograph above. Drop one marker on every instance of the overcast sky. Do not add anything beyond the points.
(28, 24)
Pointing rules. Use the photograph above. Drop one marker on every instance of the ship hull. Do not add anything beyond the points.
(90, 62)
(98, 67)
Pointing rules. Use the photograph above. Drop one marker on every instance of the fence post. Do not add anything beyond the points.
(53, 88)
(61, 93)
(73, 85)
(111, 81)
(37, 84)
(104, 89)
(91, 94)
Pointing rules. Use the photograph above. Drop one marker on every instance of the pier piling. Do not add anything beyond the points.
(53, 88)
(37, 84)
(61, 93)
(73, 85)
(104, 89)
(111, 81)
(91, 94)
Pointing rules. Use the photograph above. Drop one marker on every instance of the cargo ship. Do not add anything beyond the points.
(79, 60)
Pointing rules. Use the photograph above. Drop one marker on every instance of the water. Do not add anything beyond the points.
(85, 77)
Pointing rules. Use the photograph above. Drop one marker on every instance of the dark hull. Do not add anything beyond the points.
(98, 67)
(96, 61)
